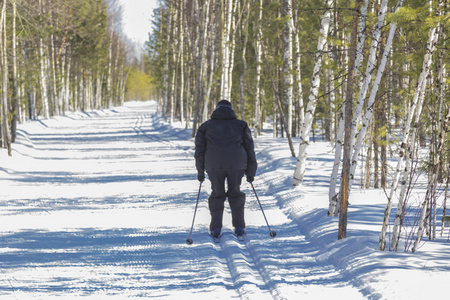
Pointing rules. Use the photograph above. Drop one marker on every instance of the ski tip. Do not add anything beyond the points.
(273, 233)
(189, 241)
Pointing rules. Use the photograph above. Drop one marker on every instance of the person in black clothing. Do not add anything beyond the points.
(224, 149)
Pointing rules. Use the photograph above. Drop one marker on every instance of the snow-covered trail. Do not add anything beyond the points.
(101, 204)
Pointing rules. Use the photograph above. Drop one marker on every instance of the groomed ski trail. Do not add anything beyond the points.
(101, 204)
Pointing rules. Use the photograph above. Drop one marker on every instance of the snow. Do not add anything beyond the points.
(100, 204)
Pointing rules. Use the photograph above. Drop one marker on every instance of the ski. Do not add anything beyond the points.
(216, 239)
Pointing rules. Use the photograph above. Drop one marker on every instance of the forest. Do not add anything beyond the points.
(370, 77)
(63, 55)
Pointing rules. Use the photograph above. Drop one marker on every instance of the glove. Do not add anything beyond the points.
(201, 177)
(250, 178)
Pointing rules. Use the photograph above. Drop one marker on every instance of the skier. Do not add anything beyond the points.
(224, 148)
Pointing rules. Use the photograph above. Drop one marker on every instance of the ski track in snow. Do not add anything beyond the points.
(100, 204)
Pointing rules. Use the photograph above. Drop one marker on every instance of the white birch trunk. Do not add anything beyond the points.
(258, 69)
(232, 52)
(371, 62)
(110, 61)
(313, 95)
(175, 48)
(287, 57)
(43, 78)
(67, 89)
(243, 58)
(203, 57)
(212, 66)
(166, 65)
(15, 98)
(301, 108)
(224, 90)
(6, 137)
(373, 93)
(98, 91)
(431, 187)
(63, 81)
(433, 38)
(182, 63)
(416, 99)
(333, 197)
(361, 35)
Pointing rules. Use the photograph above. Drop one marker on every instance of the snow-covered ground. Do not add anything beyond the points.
(100, 204)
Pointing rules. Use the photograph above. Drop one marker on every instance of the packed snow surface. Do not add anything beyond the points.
(100, 204)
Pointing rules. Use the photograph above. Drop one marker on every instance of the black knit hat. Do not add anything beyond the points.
(224, 103)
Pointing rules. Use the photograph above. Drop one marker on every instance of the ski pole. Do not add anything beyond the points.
(272, 232)
(189, 240)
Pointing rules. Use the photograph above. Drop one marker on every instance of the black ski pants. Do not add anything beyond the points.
(236, 198)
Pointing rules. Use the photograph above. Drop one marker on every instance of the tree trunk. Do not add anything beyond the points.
(203, 59)
(226, 50)
(6, 136)
(418, 95)
(182, 28)
(15, 99)
(313, 96)
(432, 181)
(287, 62)
(345, 188)
(43, 76)
(372, 96)
(299, 87)
(258, 71)
(243, 58)
(371, 62)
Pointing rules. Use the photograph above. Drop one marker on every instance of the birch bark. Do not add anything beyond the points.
(43, 74)
(175, 48)
(224, 90)
(373, 93)
(182, 62)
(431, 187)
(6, 136)
(431, 44)
(333, 196)
(244, 60)
(232, 51)
(15, 99)
(287, 62)
(301, 110)
(203, 58)
(166, 65)
(258, 69)
(313, 95)
(371, 62)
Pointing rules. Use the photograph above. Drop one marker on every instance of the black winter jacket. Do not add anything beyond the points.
(224, 142)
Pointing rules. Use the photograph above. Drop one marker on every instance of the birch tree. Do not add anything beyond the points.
(258, 68)
(15, 98)
(287, 57)
(372, 96)
(6, 137)
(306, 127)
(333, 197)
(417, 99)
(226, 52)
